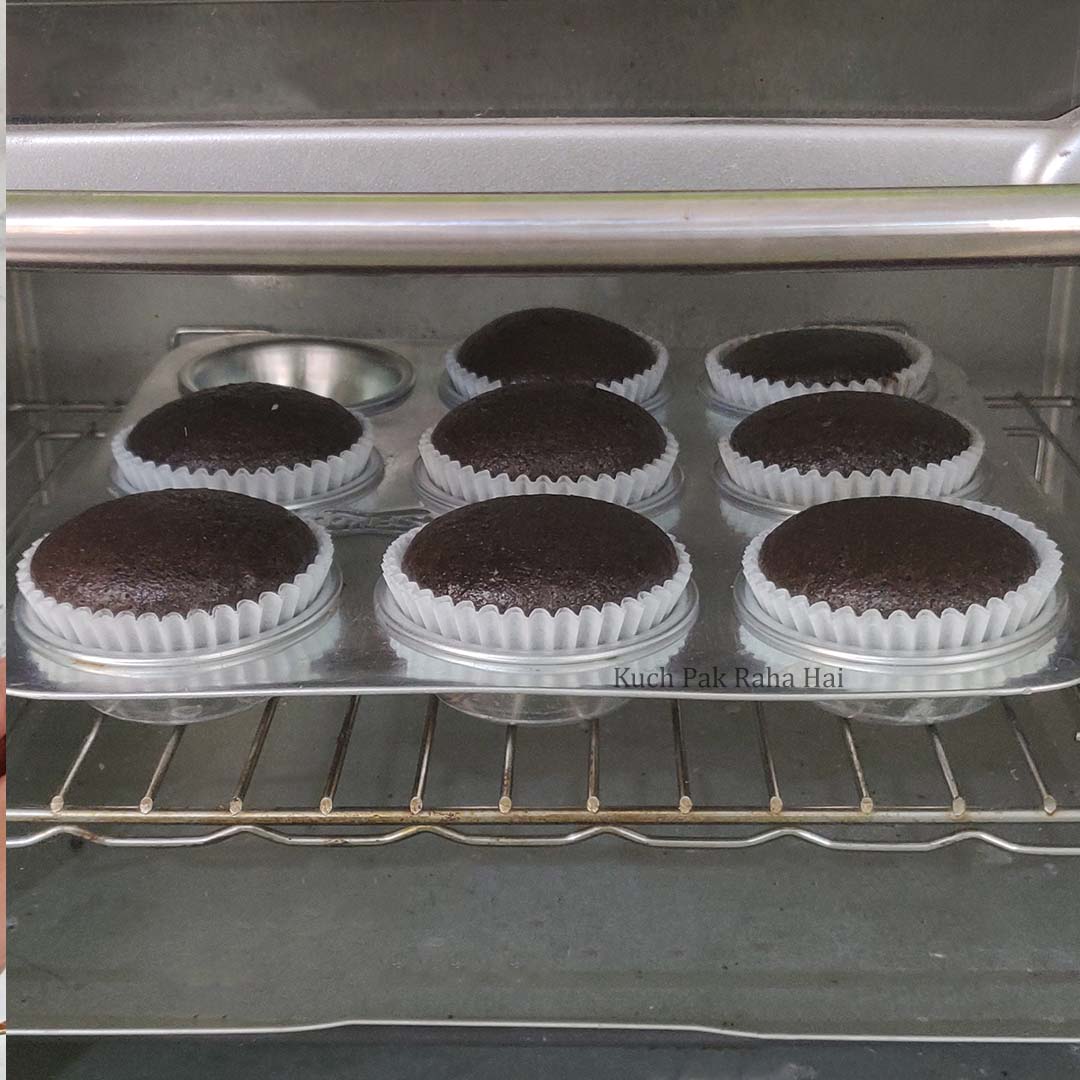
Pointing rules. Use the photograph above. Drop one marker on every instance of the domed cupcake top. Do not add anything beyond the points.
(172, 551)
(824, 355)
(540, 551)
(550, 430)
(896, 554)
(244, 426)
(849, 431)
(555, 345)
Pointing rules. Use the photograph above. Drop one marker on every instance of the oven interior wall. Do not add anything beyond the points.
(94, 336)
(147, 61)
(969, 940)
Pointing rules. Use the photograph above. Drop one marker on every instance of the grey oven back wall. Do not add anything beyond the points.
(97, 62)
(93, 336)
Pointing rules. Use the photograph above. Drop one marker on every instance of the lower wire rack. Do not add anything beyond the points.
(1015, 766)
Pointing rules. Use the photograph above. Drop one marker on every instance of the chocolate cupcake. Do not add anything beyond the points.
(817, 447)
(751, 372)
(540, 572)
(555, 345)
(174, 570)
(531, 439)
(901, 573)
(274, 442)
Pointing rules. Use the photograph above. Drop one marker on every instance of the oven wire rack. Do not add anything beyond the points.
(49, 442)
(591, 817)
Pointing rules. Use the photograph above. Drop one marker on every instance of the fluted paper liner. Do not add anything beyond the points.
(125, 632)
(537, 631)
(796, 488)
(925, 630)
(746, 392)
(283, 485)
(637, 388)
(470, 485)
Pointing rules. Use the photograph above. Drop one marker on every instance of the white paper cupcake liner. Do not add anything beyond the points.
(470, 485)
(924, 631)
(125, 632)
(637, 388)
(796, 488)
(746, 392)
(537, 631)
(283, 485)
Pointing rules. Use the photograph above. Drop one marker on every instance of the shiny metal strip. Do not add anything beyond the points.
(959, 804)
(776, 803)
(1048, 433)
(568, 815)
(1051, 401)
(236, 803)
(506, 789)
(146, 803)
(1049, 803)
(473, 839)
(542, 231)
(104, 408)
(682, 773)
(527, 154)
(544, 1025)
(337, 763)
(423, 763)
(592, 798)
(56, 803)
(866, 802)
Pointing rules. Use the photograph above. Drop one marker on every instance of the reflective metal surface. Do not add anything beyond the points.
(676, 229)
(498, 156)
(740, 764)
(353, 373)
(357, 654)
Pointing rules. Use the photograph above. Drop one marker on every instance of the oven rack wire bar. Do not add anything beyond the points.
(324, 820)
(150, 824)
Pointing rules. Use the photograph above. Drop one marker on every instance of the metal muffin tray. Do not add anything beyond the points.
(353, 651)
(357, 374)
